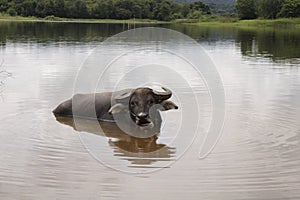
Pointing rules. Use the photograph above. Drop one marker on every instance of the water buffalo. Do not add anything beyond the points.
(141, 106)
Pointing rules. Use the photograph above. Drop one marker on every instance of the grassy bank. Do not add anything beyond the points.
(284, 22)
(280, 23)
(205, 21)
(58, 19)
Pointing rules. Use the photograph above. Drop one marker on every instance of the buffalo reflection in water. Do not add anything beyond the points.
(139, 151)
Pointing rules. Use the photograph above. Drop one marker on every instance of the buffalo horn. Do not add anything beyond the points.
(161, 96)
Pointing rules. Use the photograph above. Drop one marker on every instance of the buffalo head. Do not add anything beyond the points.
(143, 104)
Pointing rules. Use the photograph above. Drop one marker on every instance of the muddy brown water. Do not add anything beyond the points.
(43, 157)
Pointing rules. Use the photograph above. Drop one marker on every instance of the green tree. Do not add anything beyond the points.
(269, 9)
(40, 9)
(199, 6)
(290, 8)
(146, 9)
(104, 9)
(163, 11)
(28, 8)
(137, 11)
(122, 9)
(196, 14)
(49, 8)
(246, 9)
(12, 12)
(80, 9)
(76, 9)
(122, 13)
(59, 8)
(3, 6)
(185, 10)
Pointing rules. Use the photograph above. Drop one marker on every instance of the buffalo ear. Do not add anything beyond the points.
(117, 108)
(122, 96)
(168, 105)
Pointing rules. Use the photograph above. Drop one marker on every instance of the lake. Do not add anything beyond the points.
(257, 154)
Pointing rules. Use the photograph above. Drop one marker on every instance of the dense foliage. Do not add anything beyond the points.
(290, 8)
(219, 7)
(105, 9)
(269, 9)
(246, 9)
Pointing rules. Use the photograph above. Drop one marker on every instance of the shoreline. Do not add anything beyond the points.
(257, 23)
(221, 21)
(71, 20)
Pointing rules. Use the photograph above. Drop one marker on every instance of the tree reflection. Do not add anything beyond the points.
(277, 44)
(49, 32)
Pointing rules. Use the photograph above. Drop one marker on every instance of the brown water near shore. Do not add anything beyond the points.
(257, 157)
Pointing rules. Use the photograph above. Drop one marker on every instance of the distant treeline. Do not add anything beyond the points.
(105, 9)
(218, 7)
(269, 9)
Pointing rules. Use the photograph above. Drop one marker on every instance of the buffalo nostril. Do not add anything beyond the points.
(142, 115)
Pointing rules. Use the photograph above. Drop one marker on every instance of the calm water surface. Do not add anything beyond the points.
(257, 157)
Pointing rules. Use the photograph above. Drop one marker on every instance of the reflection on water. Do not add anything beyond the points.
(45, 32)
(258, 156)
(271, 43)
(139, 151)
(274, 43)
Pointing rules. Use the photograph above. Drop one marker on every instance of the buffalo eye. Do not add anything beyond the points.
(150, 102)
(133, 103)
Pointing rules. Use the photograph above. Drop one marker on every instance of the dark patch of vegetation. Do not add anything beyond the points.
(268, 9)
(164, 10)
(218, 7)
